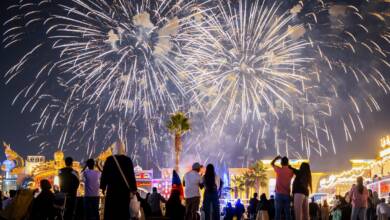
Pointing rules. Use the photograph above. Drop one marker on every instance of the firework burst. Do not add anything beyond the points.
(278, 73)
(114, 65)
(254, 73)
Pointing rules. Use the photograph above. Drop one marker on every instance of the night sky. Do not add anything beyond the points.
(14, 126)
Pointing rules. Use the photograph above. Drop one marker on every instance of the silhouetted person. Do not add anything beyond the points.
(271, 210)
(91, 196)
(155, 199)
(174, 209)
(282, 190)
(145, 205)
(69, 183)
(263, 208)
(239, 209)
(43, 204)
(228, 212)
(252, 208)
(116, 187)
(314, 210)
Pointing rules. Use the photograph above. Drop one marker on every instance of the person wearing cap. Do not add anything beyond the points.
(192, 184)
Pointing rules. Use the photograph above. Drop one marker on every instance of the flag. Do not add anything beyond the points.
(176, 184)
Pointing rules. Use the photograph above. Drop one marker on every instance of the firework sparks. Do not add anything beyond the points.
(267, 68)
(270, 73)
(114, 61)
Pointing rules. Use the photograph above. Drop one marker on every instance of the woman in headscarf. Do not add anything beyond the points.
(117, 182)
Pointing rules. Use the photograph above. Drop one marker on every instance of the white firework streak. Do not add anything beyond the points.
(114, 61)
(276, 73)
(260, 64)
(246, 64)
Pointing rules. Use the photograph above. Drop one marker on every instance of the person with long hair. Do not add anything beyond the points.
(212, 184)
(359, 199)
(301, 186)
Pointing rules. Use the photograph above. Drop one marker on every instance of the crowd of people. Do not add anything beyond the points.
(117, 182)
(359, 203)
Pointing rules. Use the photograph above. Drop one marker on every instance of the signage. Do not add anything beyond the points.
(144, 175)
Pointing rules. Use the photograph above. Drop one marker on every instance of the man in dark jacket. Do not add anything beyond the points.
(252, 208)
(69, 183)
(154, 201)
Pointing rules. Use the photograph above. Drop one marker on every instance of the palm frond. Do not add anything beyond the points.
(178, 123)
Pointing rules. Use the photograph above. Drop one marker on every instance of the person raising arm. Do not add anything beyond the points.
(282, 190)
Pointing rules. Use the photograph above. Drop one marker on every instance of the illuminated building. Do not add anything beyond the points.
(32, 162)
(164, 184)
(144, 178)
(36, 168)
(41, 169)
(376, 174)
(269, 189)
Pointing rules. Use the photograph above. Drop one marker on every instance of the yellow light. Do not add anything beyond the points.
(362, 161)
(385, 141)
(384, 152)
(266, 161)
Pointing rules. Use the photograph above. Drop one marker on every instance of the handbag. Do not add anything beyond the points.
(135, 205)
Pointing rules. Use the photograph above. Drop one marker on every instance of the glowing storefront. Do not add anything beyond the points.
(376, 173)
(269, 189)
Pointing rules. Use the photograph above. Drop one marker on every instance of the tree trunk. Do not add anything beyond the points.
(178, 149)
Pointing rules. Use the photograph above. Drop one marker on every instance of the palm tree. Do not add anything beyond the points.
(258, 174)
(178, 125)
(249, 181)
(239, 185)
